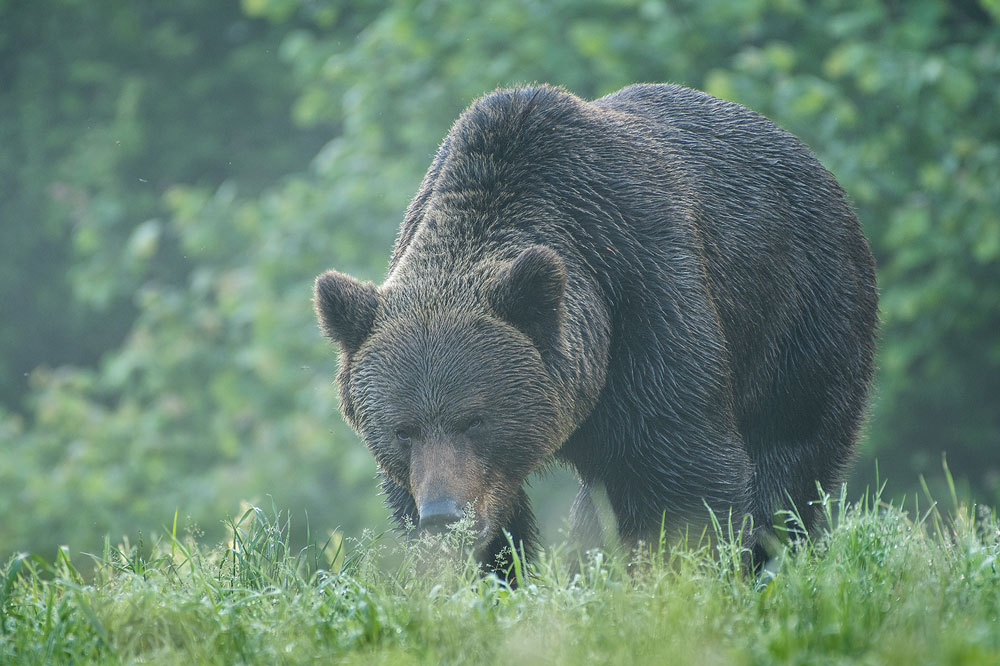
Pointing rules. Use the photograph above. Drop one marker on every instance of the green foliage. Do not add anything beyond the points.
(878, 588)
(169, 190)
(106, 106)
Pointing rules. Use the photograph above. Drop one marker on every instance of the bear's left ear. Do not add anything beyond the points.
(529, 292)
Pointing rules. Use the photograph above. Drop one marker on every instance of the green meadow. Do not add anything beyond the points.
(878, 585)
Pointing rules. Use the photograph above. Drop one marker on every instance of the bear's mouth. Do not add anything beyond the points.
(456, 541)
(470, 530)
(483, 539)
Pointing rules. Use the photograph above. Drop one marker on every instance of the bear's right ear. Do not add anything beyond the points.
(529, 292)
(345, 308)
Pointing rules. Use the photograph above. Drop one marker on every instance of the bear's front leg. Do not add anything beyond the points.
(523, 534)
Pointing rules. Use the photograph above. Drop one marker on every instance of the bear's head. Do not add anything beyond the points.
(451, 387)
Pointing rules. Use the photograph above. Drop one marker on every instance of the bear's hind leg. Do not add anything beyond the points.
(792, 454)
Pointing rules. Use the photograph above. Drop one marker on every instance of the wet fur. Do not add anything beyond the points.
(697, 298)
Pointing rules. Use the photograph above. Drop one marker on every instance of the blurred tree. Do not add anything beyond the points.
(221, 387)
(103, 106)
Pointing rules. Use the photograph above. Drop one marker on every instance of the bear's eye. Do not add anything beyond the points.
(405, 434)
(473, 423)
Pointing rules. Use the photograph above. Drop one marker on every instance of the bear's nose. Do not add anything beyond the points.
(437, 515)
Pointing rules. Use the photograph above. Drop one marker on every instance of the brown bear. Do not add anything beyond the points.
(661, 289)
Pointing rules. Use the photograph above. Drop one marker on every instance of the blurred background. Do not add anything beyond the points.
(174, 174)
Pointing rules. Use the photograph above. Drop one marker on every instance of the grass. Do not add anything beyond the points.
(879, 586)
